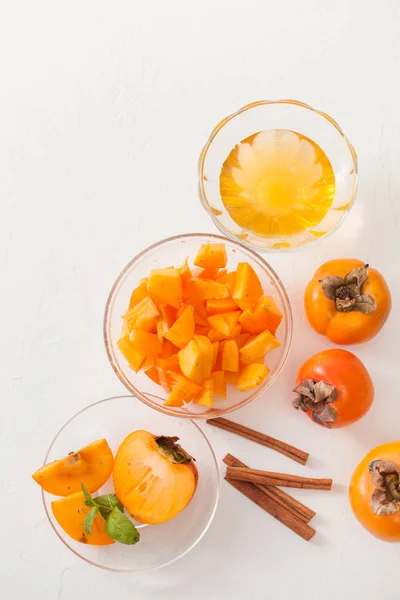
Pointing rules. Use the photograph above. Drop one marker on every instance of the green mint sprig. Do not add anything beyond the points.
(118, 526)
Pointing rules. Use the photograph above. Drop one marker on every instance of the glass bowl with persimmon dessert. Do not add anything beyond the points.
(127, 488)
(197, 326)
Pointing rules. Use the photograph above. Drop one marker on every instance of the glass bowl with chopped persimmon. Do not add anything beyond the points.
(197, 326)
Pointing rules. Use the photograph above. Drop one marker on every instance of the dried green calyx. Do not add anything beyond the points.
(347, 293)
(316, 396)
(386, 478)
(170, 449)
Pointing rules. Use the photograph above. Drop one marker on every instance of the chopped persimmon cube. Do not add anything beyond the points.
(204, 289)
(211, 256)
(251, 376)
(135, 356)
(215, 346)
(148, 342)
(266, 315)
(241, 339)
(190, 362)
(206, 396)
(229, 280)
(219, 383)
(230, 356)
(142, 316)
(231, 377)
(222, 305)
(215, 336)
(183, 390)
(138, 293)
(182, 330)
(207, 353)
(185, 272)
(248, 289)
(168, 349)
(257, 346)
(225, 322)
(152, 374)
(166, 284)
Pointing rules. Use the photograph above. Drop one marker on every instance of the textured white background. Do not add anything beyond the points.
(104, 107)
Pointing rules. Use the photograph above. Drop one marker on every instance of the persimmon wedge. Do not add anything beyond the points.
(70, 514)
(154, 477)
(91, 465)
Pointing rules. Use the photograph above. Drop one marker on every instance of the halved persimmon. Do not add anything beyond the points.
(70, 514)
(91, 465)
(154, 477)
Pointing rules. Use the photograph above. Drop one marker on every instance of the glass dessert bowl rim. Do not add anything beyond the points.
(214, 412)
(65, 539)
(221, 125)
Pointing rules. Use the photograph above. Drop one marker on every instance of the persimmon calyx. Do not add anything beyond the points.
(385, 499)
(347, 293)
(316, 397)
(168, 447)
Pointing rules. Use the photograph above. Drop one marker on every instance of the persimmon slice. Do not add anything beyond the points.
(153, 477)
(91, 465)
(70, 514)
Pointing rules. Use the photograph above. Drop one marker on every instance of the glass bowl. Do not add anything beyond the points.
(288, 115)
(159, 545)
(173, 251)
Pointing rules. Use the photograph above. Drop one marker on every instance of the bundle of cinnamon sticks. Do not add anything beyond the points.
(262, 487)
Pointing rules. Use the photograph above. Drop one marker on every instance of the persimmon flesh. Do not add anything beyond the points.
(91, 465)
(154, 477)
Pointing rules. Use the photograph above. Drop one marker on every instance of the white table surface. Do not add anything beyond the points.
(104, 107)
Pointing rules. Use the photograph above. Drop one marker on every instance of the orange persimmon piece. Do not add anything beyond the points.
(225, 322)
(266, 315)
(241, 339)
(91, 465)
(206, 396)
(142, 316)
(182, 330)
(134, 355)
(166, 284)
(222, 305)
(206, 288)
(138, 293)
(231, 377)
(248, 289)
(164, 368)
(207, 354)
(257, 346)
(168, 314)
(168, 349)
(152, 373)
(70, 514)
(208, 273)
(183, 390)
(162, 329)
(230, 356)
(211, 256)
(147, 342)
(219, 383)
(200, 330)
(215, 346)
(185, 272)
(215, 336)
(229, 279)
(251, 376)
(189, 359)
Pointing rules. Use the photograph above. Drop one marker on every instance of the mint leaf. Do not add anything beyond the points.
(106, 503)
(89, 500)
(120, 528)
(90, 517)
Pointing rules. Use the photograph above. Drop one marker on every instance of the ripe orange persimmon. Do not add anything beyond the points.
(91, 465)
(347, 301)
(375, 492)
(70, 514)
(154, 477)
(334, 388)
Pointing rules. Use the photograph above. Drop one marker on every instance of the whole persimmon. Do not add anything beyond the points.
(334, 388)
(375, 492)
(347, 301)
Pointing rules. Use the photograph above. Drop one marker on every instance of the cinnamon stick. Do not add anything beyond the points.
(278, 511)
(291, 504)
(260, 438)
(277, 479)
